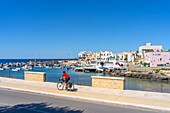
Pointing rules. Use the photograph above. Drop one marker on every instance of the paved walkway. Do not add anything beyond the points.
(151, 100)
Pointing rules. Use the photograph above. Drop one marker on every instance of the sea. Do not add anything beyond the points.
(4, 61)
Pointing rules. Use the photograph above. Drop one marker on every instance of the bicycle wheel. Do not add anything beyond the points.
(60, 86)
(71, 86)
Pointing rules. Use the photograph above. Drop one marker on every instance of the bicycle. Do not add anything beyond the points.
(61, 85)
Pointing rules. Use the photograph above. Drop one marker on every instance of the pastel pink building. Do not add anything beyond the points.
(157, 58)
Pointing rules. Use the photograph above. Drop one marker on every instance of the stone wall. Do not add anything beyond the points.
(35, 76)
(108, 82)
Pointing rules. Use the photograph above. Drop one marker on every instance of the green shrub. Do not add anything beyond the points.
(146, 64)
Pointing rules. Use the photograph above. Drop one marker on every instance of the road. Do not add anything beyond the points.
(24, 102)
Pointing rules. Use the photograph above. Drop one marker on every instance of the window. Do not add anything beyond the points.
(160, 59)
(157, 54)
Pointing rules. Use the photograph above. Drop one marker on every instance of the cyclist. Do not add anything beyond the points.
(66, 78)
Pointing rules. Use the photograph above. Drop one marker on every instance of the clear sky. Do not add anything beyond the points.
(63, 28)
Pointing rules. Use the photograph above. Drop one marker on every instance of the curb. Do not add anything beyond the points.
(90, 99)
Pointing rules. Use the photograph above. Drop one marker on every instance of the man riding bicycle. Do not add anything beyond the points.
(66, 78)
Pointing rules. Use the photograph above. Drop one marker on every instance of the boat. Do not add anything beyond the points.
(59, 67)
(6, 67)
(47, 67)
(18, 69)
(15, 70)
(115, 65)
(38, 66)
(1, 69)
(90, 69)
(94, 66)
(79, 69)
(27, 68)
(101, 69)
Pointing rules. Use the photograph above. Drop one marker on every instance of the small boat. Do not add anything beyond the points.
(89, 69)
(15, 70)
(27, 68)
(1, 69)
(6, 67)
(18, 69)
(79, 69)
(48, 67)
(58, 67)
(72, 67)
(38, 66)
(101, 69)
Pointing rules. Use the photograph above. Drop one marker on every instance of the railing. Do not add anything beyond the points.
(10, 74)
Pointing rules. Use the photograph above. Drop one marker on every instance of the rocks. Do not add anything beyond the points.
(145, 75)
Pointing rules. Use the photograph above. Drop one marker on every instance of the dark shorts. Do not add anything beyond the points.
(67, 79)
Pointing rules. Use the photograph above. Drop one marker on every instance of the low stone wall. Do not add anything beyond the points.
(108, 82)
(35, 76)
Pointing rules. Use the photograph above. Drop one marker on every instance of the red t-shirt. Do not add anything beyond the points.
(66, 75)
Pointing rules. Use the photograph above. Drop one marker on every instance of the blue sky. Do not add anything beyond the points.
(63, 28)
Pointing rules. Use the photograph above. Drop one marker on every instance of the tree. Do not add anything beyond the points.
(146, 64)
(125, 59)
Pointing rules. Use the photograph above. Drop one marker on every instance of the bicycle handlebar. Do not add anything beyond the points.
(61, 79)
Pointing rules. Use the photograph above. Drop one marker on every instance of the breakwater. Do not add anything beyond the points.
(140, 75)
(147, 76)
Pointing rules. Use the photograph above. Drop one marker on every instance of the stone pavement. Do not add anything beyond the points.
(151, 100)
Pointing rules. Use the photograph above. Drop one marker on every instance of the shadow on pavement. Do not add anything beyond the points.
(73, 90)
(37, 108)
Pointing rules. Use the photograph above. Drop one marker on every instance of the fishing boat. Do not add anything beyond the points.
(79, 69)
(15, 70)
(27, 68)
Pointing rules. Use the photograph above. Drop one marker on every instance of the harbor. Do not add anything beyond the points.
(84, 56)
(134, 81)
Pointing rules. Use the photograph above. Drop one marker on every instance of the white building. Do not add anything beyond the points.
(95, 56)
(149, 48)
(131, 56)
(82, 55)
(126, 56)
(104, 55)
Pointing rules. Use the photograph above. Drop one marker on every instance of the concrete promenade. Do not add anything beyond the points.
(151, 100)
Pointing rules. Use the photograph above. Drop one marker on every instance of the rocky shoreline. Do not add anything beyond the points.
(145, 75)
